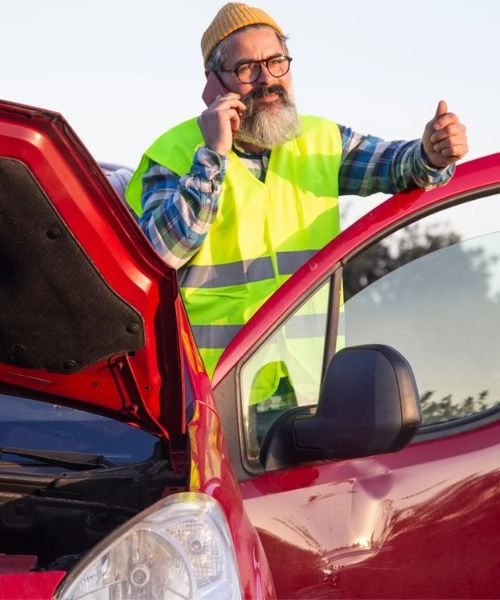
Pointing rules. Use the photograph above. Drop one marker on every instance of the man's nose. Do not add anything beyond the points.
(265, 77)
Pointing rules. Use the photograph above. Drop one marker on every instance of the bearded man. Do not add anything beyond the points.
(238, 199)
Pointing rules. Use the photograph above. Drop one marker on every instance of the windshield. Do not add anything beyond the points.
(34, 425)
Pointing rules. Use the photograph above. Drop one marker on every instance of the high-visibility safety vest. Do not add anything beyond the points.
(262, 233)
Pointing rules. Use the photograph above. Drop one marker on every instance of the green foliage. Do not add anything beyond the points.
(438, 411)
(380, 259)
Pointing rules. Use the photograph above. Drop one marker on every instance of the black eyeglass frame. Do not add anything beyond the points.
(264, 61)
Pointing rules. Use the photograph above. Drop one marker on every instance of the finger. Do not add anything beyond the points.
(228, 112)
(226, 102)
(228, 96)
(456, 152)
(234, 118)
(453, 129)
(442, 109)
(222, 98)
(450, 142)
(444, 121)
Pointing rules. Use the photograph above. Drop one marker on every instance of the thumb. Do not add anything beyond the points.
(442, 109)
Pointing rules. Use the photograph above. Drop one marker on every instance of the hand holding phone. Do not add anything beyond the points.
(222, 117)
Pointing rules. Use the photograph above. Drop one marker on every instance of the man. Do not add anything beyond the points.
(238, 199)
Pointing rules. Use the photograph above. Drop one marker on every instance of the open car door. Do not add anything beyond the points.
(419, 274)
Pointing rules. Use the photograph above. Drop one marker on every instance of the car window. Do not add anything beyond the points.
(432, 291)
(285, 371)
(34, 425)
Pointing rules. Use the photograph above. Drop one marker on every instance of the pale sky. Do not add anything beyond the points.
(122, 72)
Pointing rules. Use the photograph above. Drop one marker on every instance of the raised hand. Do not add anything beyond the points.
(444, 140)
(220, 121)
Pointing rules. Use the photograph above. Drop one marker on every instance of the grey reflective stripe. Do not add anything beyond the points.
(241, 272)
(289, 262)
(214, 336)
(306, 326)
(236, 273)
(219, 336)
(299, 326)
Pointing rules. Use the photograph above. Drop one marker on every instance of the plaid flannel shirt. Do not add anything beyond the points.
(178, 211)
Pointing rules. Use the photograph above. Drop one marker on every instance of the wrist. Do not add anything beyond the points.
(220, 149)
(426, 162)
(220, 152)
(424, 173)
(209, 164)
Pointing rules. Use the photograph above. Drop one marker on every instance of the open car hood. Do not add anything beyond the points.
(88, 312)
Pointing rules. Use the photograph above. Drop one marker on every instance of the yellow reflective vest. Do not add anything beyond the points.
(263, 232)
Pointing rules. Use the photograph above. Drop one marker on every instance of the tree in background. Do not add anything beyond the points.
(430, 295)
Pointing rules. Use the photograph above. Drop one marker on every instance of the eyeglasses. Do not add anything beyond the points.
(250, 71)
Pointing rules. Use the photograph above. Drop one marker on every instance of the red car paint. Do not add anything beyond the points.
(131, 387)
(381, 527)
(406, 524)
(346, 529)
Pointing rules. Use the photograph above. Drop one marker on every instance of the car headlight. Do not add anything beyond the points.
(178, 548)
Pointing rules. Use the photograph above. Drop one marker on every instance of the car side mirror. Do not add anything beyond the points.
(369, 404)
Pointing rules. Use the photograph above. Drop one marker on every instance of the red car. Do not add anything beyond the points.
(126, 473)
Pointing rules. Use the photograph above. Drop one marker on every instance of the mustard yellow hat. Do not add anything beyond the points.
(230, 18)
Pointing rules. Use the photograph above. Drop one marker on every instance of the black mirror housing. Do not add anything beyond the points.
(369, 404)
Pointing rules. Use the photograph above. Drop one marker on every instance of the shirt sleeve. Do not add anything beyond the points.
(178, 211)
(371, 164)
(118, 177)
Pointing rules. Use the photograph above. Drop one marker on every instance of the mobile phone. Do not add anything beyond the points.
(213, 88)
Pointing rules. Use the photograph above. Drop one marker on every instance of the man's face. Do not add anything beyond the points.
(271, 118)
(249, 45)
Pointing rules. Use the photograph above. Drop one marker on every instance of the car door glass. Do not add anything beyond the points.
(432, 291)
(285, 371)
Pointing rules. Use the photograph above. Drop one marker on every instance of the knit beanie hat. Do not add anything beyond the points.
(230, 18)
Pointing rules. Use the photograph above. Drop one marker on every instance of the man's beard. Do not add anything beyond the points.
(267, 125)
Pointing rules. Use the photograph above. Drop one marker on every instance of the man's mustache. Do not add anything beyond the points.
(262, 92)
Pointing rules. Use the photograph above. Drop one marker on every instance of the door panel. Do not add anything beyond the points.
(418, 523)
